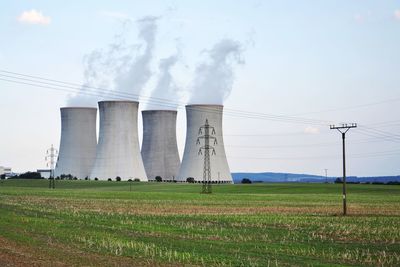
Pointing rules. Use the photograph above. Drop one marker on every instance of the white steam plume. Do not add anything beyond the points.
(166, 88)
(136, 72)
(213, 80)
(122, 67)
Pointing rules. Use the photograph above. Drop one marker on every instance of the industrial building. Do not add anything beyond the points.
(118, 152)
(5, 170)
(45, 173)
(159, 147)
(78, 142)
(192, 165)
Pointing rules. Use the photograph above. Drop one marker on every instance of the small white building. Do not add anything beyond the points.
(5, 170)
(45, 173)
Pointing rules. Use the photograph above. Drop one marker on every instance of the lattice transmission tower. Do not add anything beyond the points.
(51, 156)
(209, 131)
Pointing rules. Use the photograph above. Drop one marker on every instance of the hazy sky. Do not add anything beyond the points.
(329, 61)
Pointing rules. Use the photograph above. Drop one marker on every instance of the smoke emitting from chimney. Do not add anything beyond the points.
(123, 67)
(166, 87)
(213, 79)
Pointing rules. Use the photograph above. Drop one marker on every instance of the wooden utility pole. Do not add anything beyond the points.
(343, 129)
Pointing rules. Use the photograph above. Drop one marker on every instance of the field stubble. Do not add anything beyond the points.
(224, 229)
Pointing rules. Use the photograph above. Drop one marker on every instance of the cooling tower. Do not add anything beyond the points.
(118, 151)
(78, 142)
(193, 163)
(159, 147)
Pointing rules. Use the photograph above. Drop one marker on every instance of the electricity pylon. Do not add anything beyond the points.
(207, 136)
(343, 129)
(51, 155)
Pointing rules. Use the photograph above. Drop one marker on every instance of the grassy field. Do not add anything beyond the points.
(96, 223)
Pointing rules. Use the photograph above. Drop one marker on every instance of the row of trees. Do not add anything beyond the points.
(340, 181)
(27, 175)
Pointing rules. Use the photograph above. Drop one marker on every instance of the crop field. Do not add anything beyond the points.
(93, 223)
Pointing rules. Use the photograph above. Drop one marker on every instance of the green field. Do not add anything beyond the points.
(94, 223)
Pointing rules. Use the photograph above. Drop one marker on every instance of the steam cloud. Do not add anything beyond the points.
(213, 80)
(121, 70)
(166, 87)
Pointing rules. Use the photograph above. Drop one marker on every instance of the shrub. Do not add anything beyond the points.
(109, 179)
(338, 181)
(129, 180)
(136, 180)
(3, 176)
(28, 175)
(66, 176)
(118, 179)
(190, 180)
(158, 179)
(96, 179)
(246, 181)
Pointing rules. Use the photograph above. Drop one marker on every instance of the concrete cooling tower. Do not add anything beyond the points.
(118, 151)
(192, 162)
(78, 142)
(159, 147)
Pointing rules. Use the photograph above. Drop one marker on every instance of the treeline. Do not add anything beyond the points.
(339, 181)
(28, 175)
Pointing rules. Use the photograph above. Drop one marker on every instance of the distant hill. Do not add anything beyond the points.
(276, 177)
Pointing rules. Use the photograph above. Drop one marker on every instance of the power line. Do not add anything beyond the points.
(76, 88)
(351, 107)
(101, 92)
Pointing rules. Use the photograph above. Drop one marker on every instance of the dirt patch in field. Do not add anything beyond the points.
(13, 254)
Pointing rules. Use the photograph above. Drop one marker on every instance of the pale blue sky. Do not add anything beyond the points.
(301, 57)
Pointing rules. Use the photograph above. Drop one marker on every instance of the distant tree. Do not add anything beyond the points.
(136, 180)
(28, 175)
(190, 180)
(3, 176)
(96, 179)
(246, 181)
(158, 179)
(109, 179)
(338, 181)
(75, 178)
(86, 178)
(66, 177)
(129, 180)
(118, 179)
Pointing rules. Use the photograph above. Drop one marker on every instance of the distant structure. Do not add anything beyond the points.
(78, 142)
(51, 156)
(118, 151)
(5, 170)
(45, 173)
(192, 164)
(206, 133)
(159, 147)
